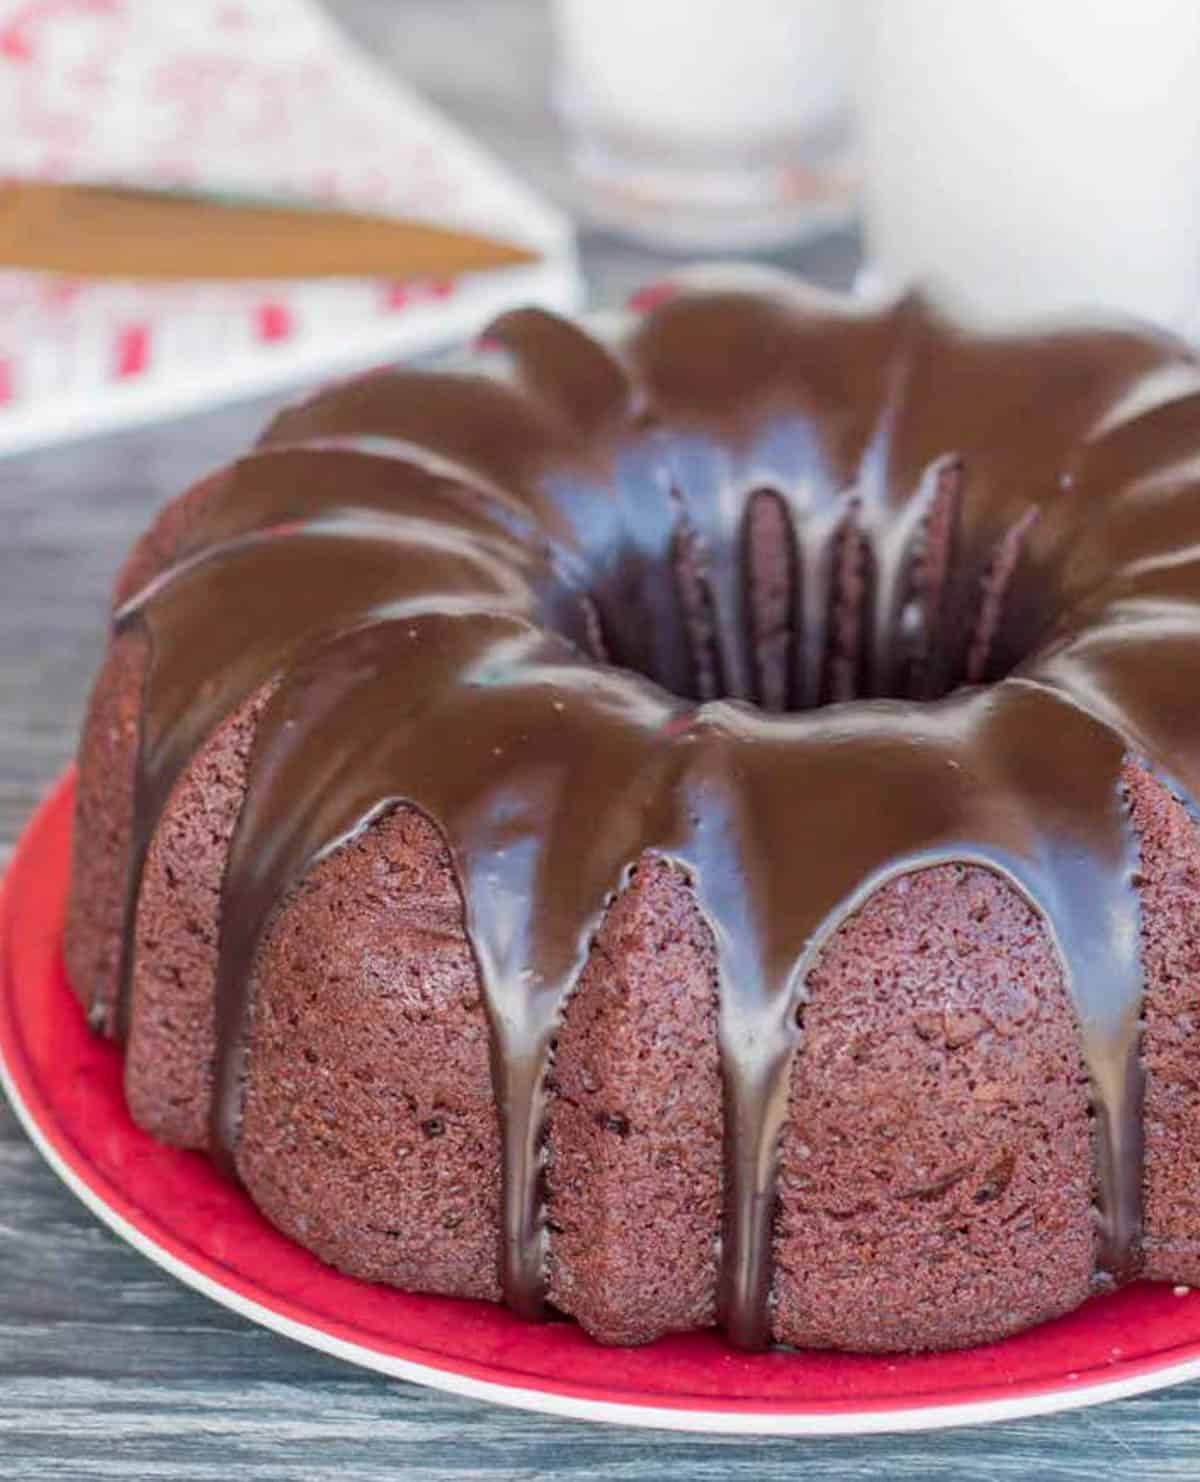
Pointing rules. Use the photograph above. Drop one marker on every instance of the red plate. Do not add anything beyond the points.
(66, 1088)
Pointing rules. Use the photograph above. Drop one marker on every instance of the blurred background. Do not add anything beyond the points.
(1018, 160)
(611, 139)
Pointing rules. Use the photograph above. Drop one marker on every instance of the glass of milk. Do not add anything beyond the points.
(1034, 157)
(707, 124)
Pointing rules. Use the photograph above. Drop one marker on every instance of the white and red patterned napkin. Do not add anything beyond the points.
(263, 97)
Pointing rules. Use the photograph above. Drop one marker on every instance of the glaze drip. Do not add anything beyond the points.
(532, 604)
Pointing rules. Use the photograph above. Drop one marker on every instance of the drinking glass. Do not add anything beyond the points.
(707, 124)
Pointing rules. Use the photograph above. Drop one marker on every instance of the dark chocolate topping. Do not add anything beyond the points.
(980, 544)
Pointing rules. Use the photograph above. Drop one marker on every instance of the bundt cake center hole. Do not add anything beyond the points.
(793, 623)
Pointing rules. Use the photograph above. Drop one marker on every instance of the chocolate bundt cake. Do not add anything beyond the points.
(683, 826)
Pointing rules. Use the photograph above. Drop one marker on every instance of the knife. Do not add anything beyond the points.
(113, 231)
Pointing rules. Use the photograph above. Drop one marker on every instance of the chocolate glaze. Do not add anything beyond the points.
(426, 567)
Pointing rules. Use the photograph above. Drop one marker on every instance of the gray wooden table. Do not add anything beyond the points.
(108, 1367)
